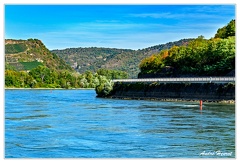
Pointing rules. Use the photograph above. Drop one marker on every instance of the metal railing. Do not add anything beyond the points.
(184, 79)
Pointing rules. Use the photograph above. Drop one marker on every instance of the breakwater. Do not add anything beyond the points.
(210, 92)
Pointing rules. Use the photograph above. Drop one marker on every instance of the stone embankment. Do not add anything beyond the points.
(210, 92)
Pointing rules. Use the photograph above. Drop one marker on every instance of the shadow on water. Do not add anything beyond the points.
(27, 117)
(31, 128)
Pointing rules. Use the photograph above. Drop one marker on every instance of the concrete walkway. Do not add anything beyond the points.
(180, 80)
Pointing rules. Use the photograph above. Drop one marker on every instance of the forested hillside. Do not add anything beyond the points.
(29, 64)
(28, 54)
(83, 59)
(201, 57)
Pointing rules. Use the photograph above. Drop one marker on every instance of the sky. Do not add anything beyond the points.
(114, 26)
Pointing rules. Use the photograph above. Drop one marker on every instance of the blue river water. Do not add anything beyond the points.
(76, 124)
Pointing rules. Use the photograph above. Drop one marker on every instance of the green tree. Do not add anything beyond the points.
(112, 74)
(105, 87)
(226, 31)
(41, 74)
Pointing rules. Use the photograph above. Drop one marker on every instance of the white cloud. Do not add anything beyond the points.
(210, 9)
(155, 15)
(168, 15)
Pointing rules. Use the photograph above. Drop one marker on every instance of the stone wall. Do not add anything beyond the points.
(181, 91)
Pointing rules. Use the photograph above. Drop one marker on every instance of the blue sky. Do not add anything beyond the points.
(114, 26)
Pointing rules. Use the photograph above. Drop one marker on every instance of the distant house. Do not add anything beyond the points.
(39, 60)
(75, 65)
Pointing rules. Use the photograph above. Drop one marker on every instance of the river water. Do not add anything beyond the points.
(76, 124)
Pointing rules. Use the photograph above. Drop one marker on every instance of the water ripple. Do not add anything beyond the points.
(76, 124)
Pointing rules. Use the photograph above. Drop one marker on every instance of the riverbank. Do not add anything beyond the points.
(172, 100)
(207, 92)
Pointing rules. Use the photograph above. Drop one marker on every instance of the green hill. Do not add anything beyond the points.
(28, 54)
(202, 57)
(29, 64)
(93, 58)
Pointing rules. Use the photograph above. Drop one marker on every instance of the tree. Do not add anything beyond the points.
(112, 74)
(41, 74)
(226, 31)
(105, 87)
(10, 78)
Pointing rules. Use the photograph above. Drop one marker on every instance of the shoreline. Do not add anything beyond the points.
(135, 98)
(171, 99)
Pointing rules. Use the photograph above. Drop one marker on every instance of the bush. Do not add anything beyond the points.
(104, 89)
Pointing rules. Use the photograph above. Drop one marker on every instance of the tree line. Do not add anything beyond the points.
(43, 77)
